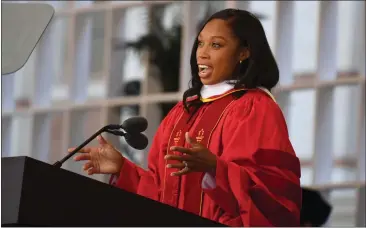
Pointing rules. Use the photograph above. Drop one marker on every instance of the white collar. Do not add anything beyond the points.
(214, 90)
(222, 87)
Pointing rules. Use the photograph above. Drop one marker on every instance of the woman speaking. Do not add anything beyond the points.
(223, 152)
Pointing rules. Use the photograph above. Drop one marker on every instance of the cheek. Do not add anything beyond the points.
(225, 64)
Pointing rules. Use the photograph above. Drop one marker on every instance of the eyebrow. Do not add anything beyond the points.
(220, 37)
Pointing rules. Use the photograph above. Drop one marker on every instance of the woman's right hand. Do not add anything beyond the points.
(103, 159)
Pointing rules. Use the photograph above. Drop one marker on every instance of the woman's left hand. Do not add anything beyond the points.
(195, 159)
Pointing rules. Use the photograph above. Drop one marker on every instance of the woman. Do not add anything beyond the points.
(224, 151)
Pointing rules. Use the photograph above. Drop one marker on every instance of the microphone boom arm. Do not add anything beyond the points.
(58, 164)
(132, 129)
(116, 132)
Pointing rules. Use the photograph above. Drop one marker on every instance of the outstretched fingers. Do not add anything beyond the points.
(101, 140)
(87, 166)
(82, 157)
(91, 171)
(82, 150)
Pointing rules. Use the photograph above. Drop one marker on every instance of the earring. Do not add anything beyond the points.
(241, 61)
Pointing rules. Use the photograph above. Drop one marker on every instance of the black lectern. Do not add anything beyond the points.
(35, 193)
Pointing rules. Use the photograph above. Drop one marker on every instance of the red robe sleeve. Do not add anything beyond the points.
(258, 173)
(137, 180)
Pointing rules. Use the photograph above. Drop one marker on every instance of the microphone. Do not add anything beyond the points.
(133, 127)
(136, 140)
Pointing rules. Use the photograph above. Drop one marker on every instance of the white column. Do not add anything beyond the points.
(25, 77)
(327, 52)
(361, 135)
(190, 20)
(7, 92)
(75, 138)
(44, 69)
(83, 35)
(360, 39)
(301, 127)
(351, 36)
(284, 40)
(6, 137)
(305, 37)
(117, 59)
(21, 135)
(41, 137)
(323, 151)
(283, 100)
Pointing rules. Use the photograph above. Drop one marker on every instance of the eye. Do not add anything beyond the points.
(200, 43)
(216, 45)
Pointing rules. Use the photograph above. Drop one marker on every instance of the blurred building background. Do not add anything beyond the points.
(89, 70)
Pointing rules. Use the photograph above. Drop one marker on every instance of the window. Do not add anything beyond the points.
(306, 21)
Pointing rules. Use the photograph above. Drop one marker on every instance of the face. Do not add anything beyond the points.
(218, 52)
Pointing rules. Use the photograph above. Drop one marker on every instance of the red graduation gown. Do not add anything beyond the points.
(257, 174)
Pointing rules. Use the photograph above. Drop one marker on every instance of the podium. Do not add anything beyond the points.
(35, 193)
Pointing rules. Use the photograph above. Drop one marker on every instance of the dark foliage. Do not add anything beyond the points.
(164, 46)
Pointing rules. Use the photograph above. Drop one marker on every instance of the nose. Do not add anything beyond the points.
(202, 53)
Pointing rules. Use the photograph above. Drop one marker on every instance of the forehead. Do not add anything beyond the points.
(216, 27)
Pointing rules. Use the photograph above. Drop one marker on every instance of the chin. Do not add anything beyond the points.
(209, 81)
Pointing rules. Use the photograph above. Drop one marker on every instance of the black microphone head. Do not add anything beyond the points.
(135, 124)
(138, 141)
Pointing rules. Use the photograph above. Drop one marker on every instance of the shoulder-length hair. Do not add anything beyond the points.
(259, 70)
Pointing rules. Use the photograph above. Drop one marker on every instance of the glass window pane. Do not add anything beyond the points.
(305, 36)
(6, 133)
(306, 176)
(21, 136)
(267, 9)
(349, 14)
(301, 122)
(343, 174)
(345, 111)
(135, 27)
(172, 14)
(56, 144)
(97, 45)
(24, 80)
(61, 41)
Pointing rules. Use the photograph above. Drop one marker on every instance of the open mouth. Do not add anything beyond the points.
(204, 70)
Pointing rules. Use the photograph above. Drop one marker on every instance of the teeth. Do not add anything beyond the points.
(202, 67)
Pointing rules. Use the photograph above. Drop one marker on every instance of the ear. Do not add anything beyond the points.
(244, 54)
